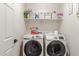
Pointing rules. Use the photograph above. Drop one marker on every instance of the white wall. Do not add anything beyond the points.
(43, 25)
(70, 28)
(20, 29)
(41, 7)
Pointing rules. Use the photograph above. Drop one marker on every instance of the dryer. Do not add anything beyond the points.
(55, 45)
(33, 45)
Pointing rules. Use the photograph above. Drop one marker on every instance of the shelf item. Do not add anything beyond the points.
(33, 15)
(27, 13)
(59, 15)
(70, 8)
(41, 15)
(36, 15)
(48, 15)
(54, 16)
(77, 12)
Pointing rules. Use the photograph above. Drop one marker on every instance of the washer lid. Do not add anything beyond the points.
(32, 48)
(56, 48)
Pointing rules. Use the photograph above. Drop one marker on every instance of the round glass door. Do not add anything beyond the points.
(56, 48)
(32, 48)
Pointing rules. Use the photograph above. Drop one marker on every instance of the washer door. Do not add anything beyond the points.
(56, 48)
(32, 48)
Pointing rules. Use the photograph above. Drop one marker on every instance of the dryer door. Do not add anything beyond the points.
(32, 48)
(56, 48)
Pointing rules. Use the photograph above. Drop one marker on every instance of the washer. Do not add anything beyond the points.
(33, 45)
(55, 45)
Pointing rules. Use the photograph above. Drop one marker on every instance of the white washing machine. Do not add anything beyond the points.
(33, 45)
(55, 45)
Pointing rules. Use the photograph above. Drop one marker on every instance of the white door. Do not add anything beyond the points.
(7, 36)
(9, 31)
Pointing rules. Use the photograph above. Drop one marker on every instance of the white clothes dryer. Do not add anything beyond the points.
(33, 45)
(55, 45)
